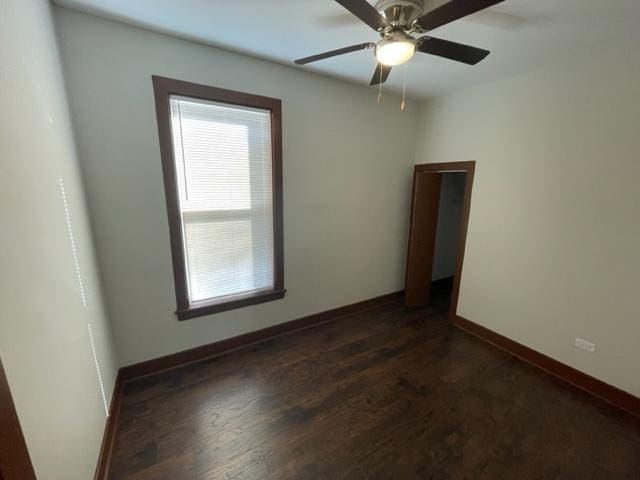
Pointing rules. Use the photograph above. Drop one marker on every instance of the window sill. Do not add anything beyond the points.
(229, 303)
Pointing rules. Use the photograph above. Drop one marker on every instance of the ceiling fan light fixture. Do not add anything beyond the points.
(395, 49)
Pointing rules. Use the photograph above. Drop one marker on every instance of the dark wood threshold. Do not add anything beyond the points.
(446, 282)
(230, 303)
(149, 367)
(610, 394)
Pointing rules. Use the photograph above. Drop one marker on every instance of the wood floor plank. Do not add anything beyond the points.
(390, 393)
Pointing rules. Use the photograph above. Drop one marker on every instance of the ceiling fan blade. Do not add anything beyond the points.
(333, 53)
(365, 12)
(380, 75)
(451, 50)
(451, 11)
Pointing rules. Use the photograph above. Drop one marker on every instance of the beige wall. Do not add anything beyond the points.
(552, 250)
(347, 171)
(44, 337)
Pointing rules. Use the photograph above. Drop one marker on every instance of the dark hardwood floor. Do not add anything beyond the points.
(390, 394)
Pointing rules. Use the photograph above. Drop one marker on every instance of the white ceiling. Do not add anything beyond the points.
(520, 33)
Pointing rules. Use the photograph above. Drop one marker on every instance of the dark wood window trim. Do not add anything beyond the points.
(163, 88)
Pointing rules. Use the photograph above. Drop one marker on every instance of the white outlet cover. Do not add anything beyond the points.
(585, 345)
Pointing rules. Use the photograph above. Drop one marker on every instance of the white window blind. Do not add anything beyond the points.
(223, 169)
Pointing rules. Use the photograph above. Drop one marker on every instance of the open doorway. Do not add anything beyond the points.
(437, 237)
(446, 244)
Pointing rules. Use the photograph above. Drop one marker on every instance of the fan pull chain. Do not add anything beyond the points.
(380, 84)
(404, 86)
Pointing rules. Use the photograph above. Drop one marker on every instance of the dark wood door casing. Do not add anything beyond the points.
(422, 237)
(15, 463)
(438, 168)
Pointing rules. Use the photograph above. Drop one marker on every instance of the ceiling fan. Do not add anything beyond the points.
(396, 21)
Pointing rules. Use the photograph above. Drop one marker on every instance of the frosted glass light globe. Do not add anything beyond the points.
(395, 50)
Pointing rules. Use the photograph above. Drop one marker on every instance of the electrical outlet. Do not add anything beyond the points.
(585, 345)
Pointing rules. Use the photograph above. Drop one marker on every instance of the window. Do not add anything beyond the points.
(222, 166)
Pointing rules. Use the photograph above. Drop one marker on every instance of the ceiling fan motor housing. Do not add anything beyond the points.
(400, 13)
